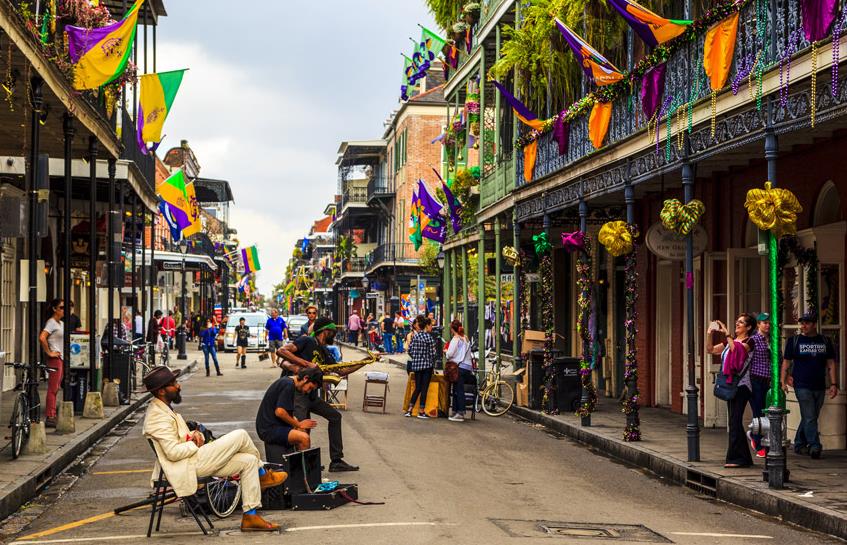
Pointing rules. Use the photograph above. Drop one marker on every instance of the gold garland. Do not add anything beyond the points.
(773, 209)
(616, 237)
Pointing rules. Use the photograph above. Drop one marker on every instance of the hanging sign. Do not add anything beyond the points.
(668, 245)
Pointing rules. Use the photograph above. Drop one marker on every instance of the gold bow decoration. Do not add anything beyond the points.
(773, 209)
(616, 237)
(681, 218)
(510, 255)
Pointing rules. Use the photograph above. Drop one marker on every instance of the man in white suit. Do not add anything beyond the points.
(185, 456)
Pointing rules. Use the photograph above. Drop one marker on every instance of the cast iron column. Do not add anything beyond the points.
(134, 248)
(94, 248)
(498, 284)
(154, 274)
(446, 312)
(583, 226)
(68, 126)
(517, 332)
(480, 296)
(465, 289)
(32, 238)
(691, 392)
(181, 333)
(110, 269)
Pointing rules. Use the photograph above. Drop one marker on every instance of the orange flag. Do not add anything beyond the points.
(718, 50)
(598, 123)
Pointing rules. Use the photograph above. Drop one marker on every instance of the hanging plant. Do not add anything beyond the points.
(470, 13)
(445, 12)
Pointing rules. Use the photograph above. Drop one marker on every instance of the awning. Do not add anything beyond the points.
(190, 259)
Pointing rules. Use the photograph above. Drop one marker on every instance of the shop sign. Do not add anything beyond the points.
(669, 245)
(371, 295)
(507, 278)
(532, 277)
(171, 266)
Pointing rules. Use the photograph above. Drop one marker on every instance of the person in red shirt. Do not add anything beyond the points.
(168, 328)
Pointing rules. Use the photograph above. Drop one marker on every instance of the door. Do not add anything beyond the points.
(747, 283)
(714, 290)
(665, 286)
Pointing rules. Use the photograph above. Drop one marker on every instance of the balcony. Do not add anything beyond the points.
(380, 187)
(403, 253)
(146, 164)
(353, 267)
(683, 68)
(354, 194)
(497, 184)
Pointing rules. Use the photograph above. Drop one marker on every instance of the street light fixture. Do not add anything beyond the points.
(440, 259)
(181, 333)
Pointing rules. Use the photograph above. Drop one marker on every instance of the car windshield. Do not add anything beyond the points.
(251, 320)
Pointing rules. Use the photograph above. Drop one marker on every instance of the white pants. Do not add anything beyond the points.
(233, 454)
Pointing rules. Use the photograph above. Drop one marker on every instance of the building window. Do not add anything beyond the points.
(8, 298)
(828, 207)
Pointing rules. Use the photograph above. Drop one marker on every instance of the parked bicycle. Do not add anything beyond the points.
(495, 395)
(140, 361)
(27, 406)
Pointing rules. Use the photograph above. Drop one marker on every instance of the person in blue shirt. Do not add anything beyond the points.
(208, 342)
(277, 333)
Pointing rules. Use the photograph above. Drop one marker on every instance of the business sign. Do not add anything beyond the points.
(669, 245)
(507, 278)
(371, 295)
(532, 277)
(171, 266)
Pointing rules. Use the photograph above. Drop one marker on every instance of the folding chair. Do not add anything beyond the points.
(333, 390)
(379, 399)
(163, 492)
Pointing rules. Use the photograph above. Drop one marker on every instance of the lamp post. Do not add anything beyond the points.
(440, 259)
(180, 335)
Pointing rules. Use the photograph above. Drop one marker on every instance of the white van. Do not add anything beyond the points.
(258, 336)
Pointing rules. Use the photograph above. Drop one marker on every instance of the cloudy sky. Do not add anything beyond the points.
(273, 88)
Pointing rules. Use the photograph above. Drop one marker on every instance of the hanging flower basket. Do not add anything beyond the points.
(459, 30)
(470, 13)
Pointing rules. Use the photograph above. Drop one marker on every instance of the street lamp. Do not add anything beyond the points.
(440, 259)
(180, 335)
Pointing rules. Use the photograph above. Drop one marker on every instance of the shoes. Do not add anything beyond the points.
(272, 478)
(407, 414)
(341, 465)
(458, 417)
(737, 466)
(207, 372)
(255, 523)
(220, 374)
(815, 453)
(761, 453)
(802, 450)
(422, 415)
(753, 445)
(49, 422)
(243, 366)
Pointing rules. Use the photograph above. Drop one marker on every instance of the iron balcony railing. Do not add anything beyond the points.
(685, 80)
(380, 186)
(497, 184)
(146, 163)
(389, 254)
(354, 194)
(353, 265)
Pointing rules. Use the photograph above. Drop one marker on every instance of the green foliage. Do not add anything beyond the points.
(446, 12)
(429, 258)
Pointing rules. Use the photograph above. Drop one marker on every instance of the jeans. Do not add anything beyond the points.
(399, 342)
(305, 404)
(386, 341)
(737, 449)
(213, 352)
(758, 400)
(422, 379)
(811, 402)
(353, 337)
(465, 377)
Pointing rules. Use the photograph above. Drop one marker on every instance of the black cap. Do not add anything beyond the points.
(808, 317)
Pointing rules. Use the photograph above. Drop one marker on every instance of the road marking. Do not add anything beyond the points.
(107, 538)
(708, 534)
(366, 525)
(121, 472)
(68, 526)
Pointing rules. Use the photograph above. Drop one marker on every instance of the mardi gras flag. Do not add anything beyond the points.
(415, 221)
(194, 211)
(597, 67)
(99, 55)
(433, 222)
(250, 258)
(430, 205)
(453, 205)
(652, 28)
(521, 111)
(431, 43)
(243, 282)
(156, 98)
(174, 204)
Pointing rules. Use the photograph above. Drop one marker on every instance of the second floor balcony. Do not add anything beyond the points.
(402, 253)
(380, 187)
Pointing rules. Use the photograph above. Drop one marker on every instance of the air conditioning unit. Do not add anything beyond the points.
(13, 219)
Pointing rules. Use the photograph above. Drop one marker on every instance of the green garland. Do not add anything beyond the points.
(583, 271)
(545, 270)
(632, 431)
(805, 257)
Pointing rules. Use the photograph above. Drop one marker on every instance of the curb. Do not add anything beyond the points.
(727, 489)
(27, 487)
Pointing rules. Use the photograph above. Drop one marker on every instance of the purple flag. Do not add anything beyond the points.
(453, 205)
(598, 69)
(561, 132)
(430, 205)
(652, 89)
(435, 229)
(817, 18)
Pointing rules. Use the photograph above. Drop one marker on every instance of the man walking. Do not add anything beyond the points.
(169, 328)
(387, 327)
(354, 325)
(307, 352)
(811, 357)
(184, 455)
(277, 332)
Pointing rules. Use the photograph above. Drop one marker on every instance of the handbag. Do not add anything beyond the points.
(727, 391)
(451, 371)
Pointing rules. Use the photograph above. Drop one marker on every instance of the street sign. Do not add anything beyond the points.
(371, 295)
(668, 245)
(171, 266)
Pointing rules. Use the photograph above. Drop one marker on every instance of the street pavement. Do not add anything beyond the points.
(492, 480)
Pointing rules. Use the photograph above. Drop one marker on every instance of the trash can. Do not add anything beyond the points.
(568, 386)
(535, 377)
(78, 381)
(120, 369)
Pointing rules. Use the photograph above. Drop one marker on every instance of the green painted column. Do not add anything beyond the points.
(454, 280)
(516, 293)
(480, 295)
(481, 156)
(446, 311)
(464, 285)
(498, 315)
(496, 100)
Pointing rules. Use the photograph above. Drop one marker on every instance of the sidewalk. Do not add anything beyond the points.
(22, 479)
(815, 498)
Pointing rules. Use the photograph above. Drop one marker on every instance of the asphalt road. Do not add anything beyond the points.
(488, 481)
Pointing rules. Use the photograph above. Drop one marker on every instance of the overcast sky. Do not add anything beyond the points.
(272, 90)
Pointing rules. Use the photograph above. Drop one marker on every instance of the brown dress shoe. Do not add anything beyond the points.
(272, 478)
(255, 523)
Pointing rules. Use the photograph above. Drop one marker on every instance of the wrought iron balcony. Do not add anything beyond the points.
(496, 185)
(354, 194)
(684, 68)
(354, 266)
(380, 187)
(402, 253)
(146, 163)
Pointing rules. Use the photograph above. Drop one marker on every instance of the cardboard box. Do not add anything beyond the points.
(534, 340)
(522, 388)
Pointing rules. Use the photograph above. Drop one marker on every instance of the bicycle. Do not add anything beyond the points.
(27, 407)
(140, 360)
(164, 354)
(495, 395)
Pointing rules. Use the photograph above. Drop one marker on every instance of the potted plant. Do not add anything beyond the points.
(470, 13)
(459, 30)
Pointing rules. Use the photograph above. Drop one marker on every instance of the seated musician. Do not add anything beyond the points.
(309, 351)
(275, 421)
(184, 455)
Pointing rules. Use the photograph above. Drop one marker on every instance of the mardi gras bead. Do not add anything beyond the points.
(616, 237)
(542, 243)
(681, 218)
(773, 209)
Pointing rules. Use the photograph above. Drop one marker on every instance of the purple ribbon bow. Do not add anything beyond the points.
(574, 242)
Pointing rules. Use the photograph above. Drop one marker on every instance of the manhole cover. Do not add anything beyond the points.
(579, 530)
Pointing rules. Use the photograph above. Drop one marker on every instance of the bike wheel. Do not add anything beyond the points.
(19, 425)
(497, 398)
(223, 496)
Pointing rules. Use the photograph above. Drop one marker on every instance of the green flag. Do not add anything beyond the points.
(431, 43)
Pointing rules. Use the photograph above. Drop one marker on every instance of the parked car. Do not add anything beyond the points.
(258, 336)
(295, 322)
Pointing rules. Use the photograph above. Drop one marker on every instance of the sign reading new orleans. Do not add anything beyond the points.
(669, 245)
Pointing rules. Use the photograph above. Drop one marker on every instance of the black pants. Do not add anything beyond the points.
(738, 451)
(465, 377)
(422, 379)
(305, 404)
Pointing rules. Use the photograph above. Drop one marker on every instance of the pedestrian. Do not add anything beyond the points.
(277, 331)
(242, 341)
(422, 354)
(459, 351)
(399, 331)
(169, 328)
(208, 343)
(154, 337)
(311, 315)
(735, 364)
(760, 375)
(138, 326)
(309, 351)
(52, 340)
(178, 318)
(73, 322)
(387, 328)
(126, 319)
(811, 358)
(354, 324)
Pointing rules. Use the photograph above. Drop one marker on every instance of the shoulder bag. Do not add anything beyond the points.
(728, 390)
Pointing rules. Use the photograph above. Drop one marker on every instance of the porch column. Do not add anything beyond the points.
(496, 100)
(454, 281)
(691, 392)
(32, 238)
(69, 131)
(465, 290)
(480, 295)
(111, 224)
(134, 248)
(142, 283)
(585, 397)
(94, 384)
(481, 139)
(498, 285)
(446, 313)
(154, 276)
(517, 332)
